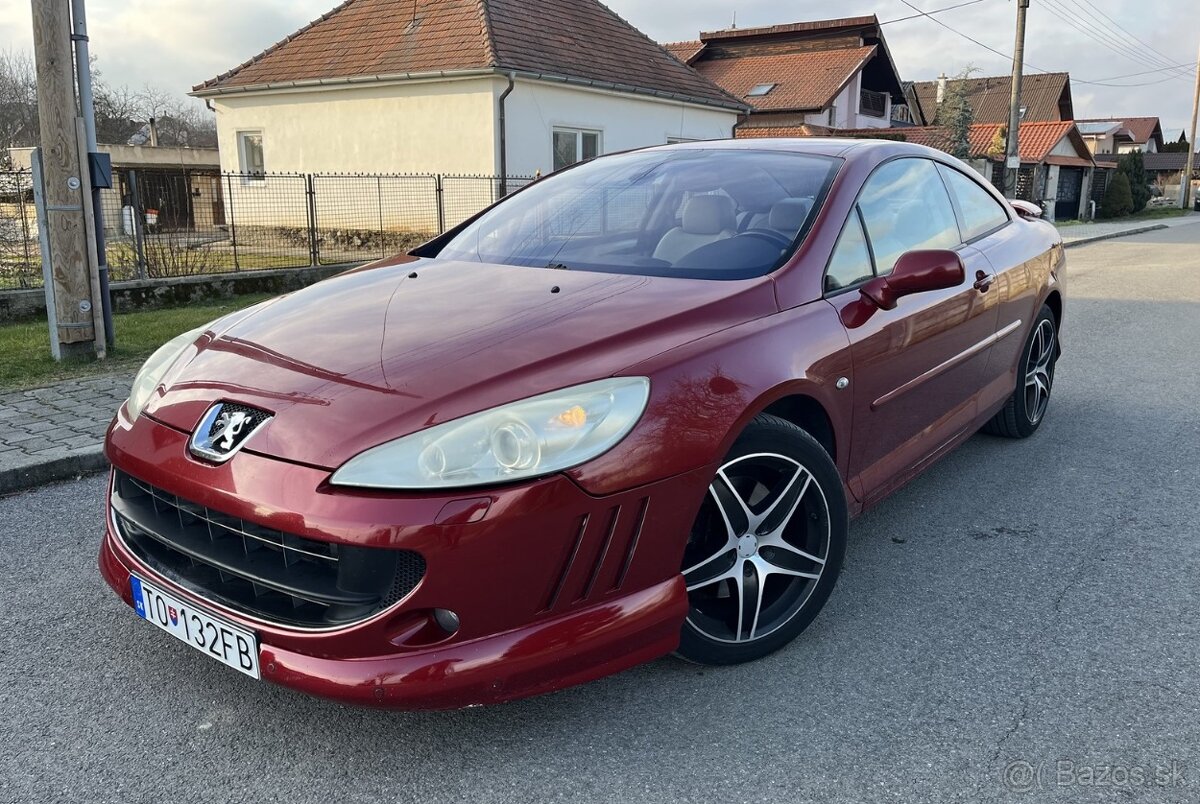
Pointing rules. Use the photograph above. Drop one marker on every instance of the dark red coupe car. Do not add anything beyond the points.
(627, 411)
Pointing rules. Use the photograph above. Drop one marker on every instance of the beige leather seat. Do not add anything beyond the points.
(788, 216)
(706, 219)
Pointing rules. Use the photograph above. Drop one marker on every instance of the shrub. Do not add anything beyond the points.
(1134, 168)
(1118, 201)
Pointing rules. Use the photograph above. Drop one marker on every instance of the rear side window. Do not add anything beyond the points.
(905, 207)
(981, 213)
(851, 261)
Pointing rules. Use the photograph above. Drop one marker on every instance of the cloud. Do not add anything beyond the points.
(178, 43)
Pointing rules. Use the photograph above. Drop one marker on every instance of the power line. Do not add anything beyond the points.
(1009, 57)
(1114, 24)
(934, 11)
(1100, 35)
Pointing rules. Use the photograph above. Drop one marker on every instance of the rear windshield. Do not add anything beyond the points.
(698, 213)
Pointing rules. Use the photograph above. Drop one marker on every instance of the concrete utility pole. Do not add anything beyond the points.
(1012, 160)
(69, 290)
(1186, 189)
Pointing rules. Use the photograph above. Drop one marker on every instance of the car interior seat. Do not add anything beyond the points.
(706, 219)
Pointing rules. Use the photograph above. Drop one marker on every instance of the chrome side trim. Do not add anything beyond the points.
(946, 366)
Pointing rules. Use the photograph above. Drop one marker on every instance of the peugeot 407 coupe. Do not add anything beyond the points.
(627, 411)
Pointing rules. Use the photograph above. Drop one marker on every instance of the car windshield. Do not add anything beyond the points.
(693, 212)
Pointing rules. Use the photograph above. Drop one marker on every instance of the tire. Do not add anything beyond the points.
(1025, 410)
(767, 546)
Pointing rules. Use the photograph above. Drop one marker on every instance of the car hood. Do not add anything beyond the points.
(376, 354)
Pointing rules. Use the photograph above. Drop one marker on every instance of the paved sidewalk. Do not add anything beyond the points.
(54, 433)
(1083, 233)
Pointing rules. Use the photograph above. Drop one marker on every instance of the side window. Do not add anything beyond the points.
(851, 260)
(981, 212)
(904, 208)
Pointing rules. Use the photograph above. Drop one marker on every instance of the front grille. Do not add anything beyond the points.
(259, 571)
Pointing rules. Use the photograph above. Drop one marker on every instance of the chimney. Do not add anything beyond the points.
(941, 96)
(154, 130)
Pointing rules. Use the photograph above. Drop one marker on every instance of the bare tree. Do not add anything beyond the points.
(18, 101)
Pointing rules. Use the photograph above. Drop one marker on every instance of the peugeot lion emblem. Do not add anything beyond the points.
(224, 430)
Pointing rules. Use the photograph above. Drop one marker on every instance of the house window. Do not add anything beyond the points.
(871, 103)
(574, 145)
(250, 155)
(833, 116)
(759, 90)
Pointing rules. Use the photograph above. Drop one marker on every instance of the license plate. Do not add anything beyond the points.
(228, 644)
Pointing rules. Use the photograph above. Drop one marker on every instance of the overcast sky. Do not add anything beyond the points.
(177, 43)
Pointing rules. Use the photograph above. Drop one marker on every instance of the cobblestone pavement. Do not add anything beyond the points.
(1087, 232)
(49, 432)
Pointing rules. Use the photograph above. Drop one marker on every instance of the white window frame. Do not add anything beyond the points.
(578, 132)
(248, 176)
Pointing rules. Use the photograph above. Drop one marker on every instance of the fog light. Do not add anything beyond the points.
(446, 620)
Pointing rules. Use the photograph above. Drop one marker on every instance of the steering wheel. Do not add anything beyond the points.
(770, 235)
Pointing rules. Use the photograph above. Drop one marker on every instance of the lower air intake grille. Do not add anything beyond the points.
(261, 572)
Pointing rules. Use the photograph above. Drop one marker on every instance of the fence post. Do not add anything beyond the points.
(232, 224)
(314, 254)
(25, 220)
(441, 203)
(138, 216)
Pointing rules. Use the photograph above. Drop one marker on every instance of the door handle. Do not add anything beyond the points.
(983, 281)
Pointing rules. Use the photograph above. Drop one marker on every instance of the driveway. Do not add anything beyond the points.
(1023, 616)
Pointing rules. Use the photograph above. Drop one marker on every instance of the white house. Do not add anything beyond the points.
(803, 78)
(482, 87)
(1122, 135)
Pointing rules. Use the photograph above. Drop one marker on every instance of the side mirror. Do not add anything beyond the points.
(915, 272)
(1028, 211)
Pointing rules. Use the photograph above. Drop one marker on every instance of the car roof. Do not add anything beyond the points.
(820, 146)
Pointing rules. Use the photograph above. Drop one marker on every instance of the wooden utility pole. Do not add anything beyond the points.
(1186, 188)
(1012, 155)
(70, 290)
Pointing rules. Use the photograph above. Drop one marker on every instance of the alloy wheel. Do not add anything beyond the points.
(758, 549)
(1039, 371)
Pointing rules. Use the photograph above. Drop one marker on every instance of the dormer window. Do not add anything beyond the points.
(760, 90)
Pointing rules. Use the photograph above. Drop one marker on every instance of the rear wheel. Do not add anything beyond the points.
(766, 548)
(1026, 408)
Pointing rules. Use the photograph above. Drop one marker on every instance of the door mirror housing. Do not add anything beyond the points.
(915, 272)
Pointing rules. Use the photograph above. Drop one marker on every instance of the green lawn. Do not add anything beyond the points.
(25, 360)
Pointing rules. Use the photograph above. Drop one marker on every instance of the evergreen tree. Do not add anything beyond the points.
(1134, 168)
(956, 115)
(1118, 201)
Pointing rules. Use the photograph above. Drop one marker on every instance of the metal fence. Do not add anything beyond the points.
(183, 222)
(20, 256)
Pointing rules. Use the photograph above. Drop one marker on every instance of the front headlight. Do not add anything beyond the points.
(530, 438)
(153, 370)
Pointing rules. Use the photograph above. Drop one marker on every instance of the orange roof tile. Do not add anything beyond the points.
(574, 39)
(1036, 140)
(684, 51)
(807, 80)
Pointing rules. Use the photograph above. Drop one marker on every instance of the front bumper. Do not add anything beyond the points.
(553, 587)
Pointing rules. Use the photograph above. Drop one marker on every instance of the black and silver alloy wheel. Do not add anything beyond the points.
(1039, 370)
(766, 547)
(1025, 410)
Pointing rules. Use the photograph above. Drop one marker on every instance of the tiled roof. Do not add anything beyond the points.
(1155, 162)
(1036, 140)
(1040, 93)
(1141, 129)
(684, 51)
(575, 39)
(804, 81)
(812, 26)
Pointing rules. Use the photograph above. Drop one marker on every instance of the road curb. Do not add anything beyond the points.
(86, 461)
(1114, 235)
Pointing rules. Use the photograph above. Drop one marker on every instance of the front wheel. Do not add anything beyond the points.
(766, 548)
(1024, 411)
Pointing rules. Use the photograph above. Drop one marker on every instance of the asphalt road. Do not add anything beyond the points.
(1020, 606)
